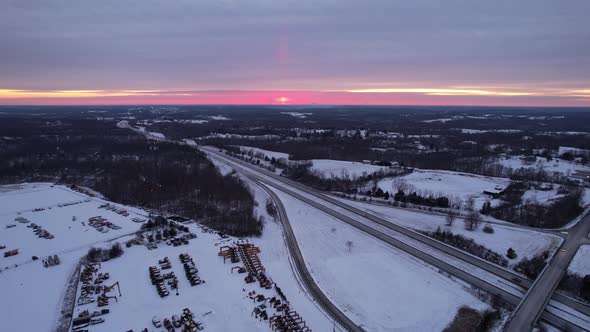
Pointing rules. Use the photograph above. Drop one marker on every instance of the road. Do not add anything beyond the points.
(413, 251)
(302, 270)
(549, 277)
(528, 311)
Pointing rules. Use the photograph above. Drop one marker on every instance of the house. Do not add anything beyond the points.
(584, 176)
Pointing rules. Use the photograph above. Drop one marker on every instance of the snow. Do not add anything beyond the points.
(238, 136)
(581, 263)
(194, 121)
(30, 290)
(479, 131)
(190, 142)
(525, 242)
(69, 235)
(266, 153)
(441, 120)
(564, 149)
(339, 169)
(221, 303)
(541, 196)
(219, 118)
(379, 287)
(461, 186)
(556, 133)
(297, 115)
(23, 292)
(554, 166)
(156, 135)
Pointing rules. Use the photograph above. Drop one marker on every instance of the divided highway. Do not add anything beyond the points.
(302, 270)
(528, 311)
(262, 176)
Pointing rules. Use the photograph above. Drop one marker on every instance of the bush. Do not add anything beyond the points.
(511, 253)
(488, 229)
(533, 267)
(101, 255)
(466, 319)
(468, 245)
(115, 251)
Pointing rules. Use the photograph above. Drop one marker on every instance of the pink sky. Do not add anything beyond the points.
(286, 97)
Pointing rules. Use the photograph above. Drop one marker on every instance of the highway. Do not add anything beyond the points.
(504, 273)
(528, 311)
(301, 268)
(530, 306)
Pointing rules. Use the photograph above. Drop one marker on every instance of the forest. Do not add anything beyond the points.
(128, 169)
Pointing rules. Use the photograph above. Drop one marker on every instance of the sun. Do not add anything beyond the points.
(282, 100)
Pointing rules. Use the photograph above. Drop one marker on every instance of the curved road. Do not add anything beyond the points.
(302, 270)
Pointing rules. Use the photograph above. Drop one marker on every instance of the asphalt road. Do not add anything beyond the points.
(532, 305)
(302, 270)
(504, 273)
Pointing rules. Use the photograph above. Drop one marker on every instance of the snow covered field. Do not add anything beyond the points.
(379, 287)
(266, 153)
(69, 234)
(298, 115)
(554, 166)
(526, 243)
(328, 168)
(28, 288)
(461, 186)
(541, 196)
(581, 262)
(220, 303)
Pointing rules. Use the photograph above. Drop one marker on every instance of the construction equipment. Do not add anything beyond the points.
(12, 252)
(109, 288)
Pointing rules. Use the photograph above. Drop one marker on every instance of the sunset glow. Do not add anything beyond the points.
(272, 52)
(381, 96)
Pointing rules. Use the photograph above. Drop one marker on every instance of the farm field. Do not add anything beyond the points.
(459, 187)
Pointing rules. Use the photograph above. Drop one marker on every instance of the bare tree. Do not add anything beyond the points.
(271, 209)
(472, 220)
(450, 218)
(349, 245)
(398, 184)
(470, 204)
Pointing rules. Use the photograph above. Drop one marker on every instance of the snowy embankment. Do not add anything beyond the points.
(526, 243)
(328, 168)
(367, 279)
(580, 265)
(454, 185)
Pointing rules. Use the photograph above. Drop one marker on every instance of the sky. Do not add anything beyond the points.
(419, 52)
